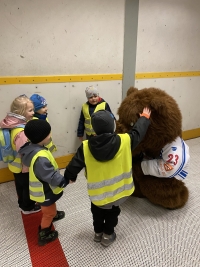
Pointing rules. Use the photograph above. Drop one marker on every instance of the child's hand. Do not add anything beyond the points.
(71, 182)
(81, 139)
(146, 113)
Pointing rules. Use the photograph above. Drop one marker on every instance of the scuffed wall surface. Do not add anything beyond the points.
(168, 41)
(168, 36)
(86, 37)
(185, 91)
(64, 106)
(61, 37)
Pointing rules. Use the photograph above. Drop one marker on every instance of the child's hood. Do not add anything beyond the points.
(105, 146)
(28, 151)
(12, 120)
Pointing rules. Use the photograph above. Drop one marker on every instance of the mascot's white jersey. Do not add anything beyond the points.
(173, 162)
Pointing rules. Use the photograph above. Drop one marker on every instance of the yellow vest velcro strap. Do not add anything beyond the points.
(111, 181)
(36, 194)
(112, 193)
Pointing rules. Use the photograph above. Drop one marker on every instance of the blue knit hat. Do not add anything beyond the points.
(38, 101)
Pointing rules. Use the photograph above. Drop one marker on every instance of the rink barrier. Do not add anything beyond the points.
(91, 77)
(6, 175)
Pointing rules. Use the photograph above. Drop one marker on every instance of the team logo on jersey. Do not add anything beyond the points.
(168, 167)
(174, 148)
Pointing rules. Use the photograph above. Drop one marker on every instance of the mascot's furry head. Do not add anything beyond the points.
(166, 119)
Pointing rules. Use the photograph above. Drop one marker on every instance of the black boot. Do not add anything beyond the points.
(60, 215)
(46, 235)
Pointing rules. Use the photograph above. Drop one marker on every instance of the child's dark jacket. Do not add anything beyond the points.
(44, 171)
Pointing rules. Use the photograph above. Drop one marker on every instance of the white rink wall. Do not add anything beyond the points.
(64, 106)
(186, 91)
(47, 38)
(59, 37)
(168, 41)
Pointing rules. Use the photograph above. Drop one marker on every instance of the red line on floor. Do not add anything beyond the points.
(50, 255)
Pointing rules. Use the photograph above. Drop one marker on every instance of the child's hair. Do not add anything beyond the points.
(19, 105)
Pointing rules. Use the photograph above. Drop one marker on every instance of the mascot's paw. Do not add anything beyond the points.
(169, 193)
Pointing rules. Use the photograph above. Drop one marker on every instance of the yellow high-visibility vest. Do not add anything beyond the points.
(110, 180)
(50, 145)
(16, 165)
(36, 186)
(88, 126)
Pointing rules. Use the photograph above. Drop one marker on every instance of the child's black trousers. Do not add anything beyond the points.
(105, 220)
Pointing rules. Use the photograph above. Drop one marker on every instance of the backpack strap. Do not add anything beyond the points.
(14, 131)
(7, 154)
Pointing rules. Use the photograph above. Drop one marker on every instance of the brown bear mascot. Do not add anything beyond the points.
(162, 183)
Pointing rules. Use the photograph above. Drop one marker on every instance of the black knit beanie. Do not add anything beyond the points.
(37, 130)
(102, 122)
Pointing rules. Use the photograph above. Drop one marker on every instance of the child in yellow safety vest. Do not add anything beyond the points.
(94, 103)
(40, 109)
(45, 181)
(107, 159)
(21, 111)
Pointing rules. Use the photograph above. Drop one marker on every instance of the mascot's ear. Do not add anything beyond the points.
(159, 105)
(131, 90)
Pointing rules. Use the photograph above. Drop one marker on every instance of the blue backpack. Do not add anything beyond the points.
(7, 154)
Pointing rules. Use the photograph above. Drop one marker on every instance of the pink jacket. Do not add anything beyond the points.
(11, 121)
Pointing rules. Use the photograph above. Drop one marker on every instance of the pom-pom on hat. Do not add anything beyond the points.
(38, 101)
(37, 130)
(90, 91)
(103, 122)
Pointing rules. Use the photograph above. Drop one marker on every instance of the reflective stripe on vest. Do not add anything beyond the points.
(110, 180)
(50, 145)
(35, 186)
(88, 126)
(16, 165)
